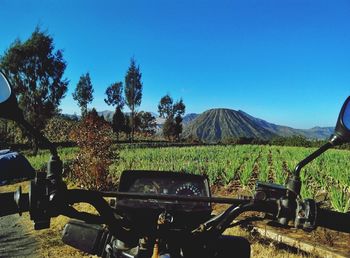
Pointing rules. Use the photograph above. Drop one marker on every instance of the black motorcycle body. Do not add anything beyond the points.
(166, 224)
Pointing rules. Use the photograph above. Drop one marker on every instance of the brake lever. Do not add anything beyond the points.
(218, 222)
(208, 224)
(246, 221)
(84, 216)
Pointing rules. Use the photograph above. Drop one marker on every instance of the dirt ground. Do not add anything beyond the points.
(15, 239)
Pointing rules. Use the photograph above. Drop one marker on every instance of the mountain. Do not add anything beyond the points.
(189, 118)
(317, 132)
(218, 124)
(215, 125)
(107, 114)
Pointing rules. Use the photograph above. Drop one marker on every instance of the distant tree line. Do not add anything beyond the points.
(295, 140)
(35, 70)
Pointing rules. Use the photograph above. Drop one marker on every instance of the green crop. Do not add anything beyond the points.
(245, 164)
(241, 164)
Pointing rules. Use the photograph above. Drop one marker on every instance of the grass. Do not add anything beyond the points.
(40, 160)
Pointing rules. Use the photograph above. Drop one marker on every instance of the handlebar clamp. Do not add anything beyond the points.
(306, 214)
(39, 202)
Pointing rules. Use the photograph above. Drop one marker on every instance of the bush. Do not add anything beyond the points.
(58, 129)
(93, 136)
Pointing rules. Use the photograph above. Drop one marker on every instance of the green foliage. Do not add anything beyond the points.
(94, 139)
(173, 113)
(165, 106)
(128, 123)
(340, 198)
(39, 161)
(168, 128)
(59, 128)
(114, 95)
(295, 140)
(35, 72)
(148, 123)
(133, 91)
(245, 164)
(83, 93)
(177, 127)
(11, 134)
(229, 165)
(118, 121)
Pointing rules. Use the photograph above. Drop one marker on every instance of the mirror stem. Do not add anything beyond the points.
(311, 157)
(294, 183)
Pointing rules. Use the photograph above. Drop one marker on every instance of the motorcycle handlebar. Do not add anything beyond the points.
(9, 205)
(325, 218)
(333, 220)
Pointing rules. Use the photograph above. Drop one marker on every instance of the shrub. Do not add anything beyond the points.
(58, 129)
(93, 136)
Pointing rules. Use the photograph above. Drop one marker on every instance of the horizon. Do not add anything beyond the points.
(284, 62)
(198, 114)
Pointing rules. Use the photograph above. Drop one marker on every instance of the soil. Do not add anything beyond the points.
(15, 240)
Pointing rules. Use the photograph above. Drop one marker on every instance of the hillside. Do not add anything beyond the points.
(285, 131)
(189, 118)
(216, 125)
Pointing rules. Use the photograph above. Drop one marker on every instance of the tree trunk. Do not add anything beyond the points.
(35, 147)
(132, 124)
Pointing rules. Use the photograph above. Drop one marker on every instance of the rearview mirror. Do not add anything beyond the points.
(342, 129)
(8, 103)
(5, 89)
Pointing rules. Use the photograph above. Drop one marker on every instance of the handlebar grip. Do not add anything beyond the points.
(9, 205)
(333, 220)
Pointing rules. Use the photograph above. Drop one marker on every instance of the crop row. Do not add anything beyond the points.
(328, 174)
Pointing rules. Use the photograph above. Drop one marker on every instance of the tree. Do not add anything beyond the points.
(83, 93)
(168, 128)
(115, 98)
(36, 71)
(177, 127)
(148, 123)
(165, 106)
(179, 108)
(173, 113)
(118, 121)
(178, 111)
(133, 92)
(127, 126)
(114, 95)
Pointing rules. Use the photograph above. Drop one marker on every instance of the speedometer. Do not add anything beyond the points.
(187, 189)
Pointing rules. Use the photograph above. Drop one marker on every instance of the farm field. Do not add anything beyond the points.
(243, 165)
(239, 165)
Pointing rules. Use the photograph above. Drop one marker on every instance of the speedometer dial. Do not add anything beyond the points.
(187, 189)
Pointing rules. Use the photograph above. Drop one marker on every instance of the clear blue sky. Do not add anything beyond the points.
(287, 62)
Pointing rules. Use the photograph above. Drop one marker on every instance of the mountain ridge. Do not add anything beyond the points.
(217, 124)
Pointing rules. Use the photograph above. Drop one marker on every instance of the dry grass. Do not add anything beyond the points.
(261, 248)
(51, 245)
